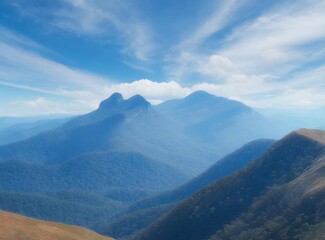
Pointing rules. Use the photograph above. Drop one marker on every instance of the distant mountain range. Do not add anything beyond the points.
(17, 227)
(219, 123)
(280, 195)
(88, 168)
(23, 130)
(187, 134)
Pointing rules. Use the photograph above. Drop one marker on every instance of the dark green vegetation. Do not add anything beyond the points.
(278, 196)
(142, 213)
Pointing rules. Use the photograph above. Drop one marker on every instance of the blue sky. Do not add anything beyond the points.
(65, 56)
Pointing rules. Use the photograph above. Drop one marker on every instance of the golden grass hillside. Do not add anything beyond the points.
(17, 227)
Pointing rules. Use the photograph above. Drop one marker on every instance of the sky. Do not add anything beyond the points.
(65, 56)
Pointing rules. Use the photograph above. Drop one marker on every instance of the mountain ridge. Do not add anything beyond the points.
(215, 206)
(151, 208)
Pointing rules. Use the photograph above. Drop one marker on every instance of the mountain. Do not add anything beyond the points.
(187, 134)
(17, 227)
(280, 195)
(123, 151)
(21, 131)
(118, 125)
(218, 121)
(150, 209)
(8, 121)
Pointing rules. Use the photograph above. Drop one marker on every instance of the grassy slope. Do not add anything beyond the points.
(17, 227)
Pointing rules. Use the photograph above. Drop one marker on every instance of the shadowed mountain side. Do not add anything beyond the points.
(291, 211)
(17, 227)
(150, 209)
(222, 202)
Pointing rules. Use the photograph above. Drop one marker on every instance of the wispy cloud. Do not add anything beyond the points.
(183, 56)
(111, 21)
(23, 68)
(260, 61)
(279, 41)
(224, 13)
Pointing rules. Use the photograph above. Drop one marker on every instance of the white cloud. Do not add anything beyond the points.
(278, 41)
(155, 92)
(39, 102)
(26, 69)
(42, 105)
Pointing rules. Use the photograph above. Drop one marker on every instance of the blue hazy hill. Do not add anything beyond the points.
(219, 122)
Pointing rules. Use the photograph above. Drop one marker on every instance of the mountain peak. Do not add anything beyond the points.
(317, 135)
(200, 94)
(113, 100)
(116, 102)
(136, 101)
(208, 98)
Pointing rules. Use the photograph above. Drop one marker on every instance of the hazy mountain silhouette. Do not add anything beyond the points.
(118, 125)
(219, 122)
(21, 131)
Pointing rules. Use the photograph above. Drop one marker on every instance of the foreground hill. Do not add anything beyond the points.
(17, 227)
(142, 213)
(278, 196)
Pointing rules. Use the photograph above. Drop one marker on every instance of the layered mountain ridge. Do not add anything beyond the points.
(122, 152)
(272, 198)
(150, 209)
